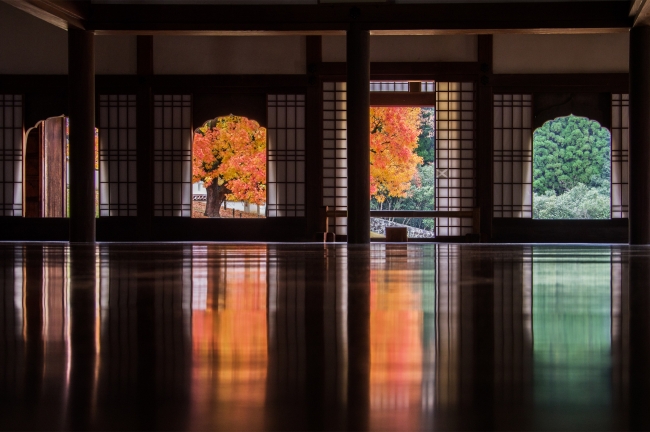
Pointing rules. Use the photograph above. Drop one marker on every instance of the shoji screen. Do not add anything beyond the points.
(117, 155)
(335, 144)
(620, 139)
(172, 155)
(455, 172)
(285, 192)
(513, 156)
(11, 155)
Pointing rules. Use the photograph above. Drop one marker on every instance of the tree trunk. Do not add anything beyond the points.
(215, 197)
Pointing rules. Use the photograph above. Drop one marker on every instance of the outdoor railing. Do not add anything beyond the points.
(474, 214)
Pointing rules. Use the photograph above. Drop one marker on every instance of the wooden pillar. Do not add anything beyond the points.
(81, 99)
(484, 164)
(639, 157)
(314, 149)
(144, 152)
(358, 95)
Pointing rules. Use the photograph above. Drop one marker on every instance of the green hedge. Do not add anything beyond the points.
(580, 202)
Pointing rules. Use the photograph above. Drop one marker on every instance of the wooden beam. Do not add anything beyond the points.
(640, 11)
(64, 14)
(406, 70)
(427, 99)
(582, 82)
(413, 18)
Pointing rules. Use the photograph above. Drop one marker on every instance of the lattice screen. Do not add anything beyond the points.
(172, 155)
(11, 155)
(335, 145)
(400, 86)
(513, 156)
(455, 171)
(286, 155)
(117, 155)
(620, 148)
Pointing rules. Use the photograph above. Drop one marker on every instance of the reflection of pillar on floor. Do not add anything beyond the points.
(358, 397)
(358, 97)
(82, 390)
(81, 100)
(639, 344)
(639, 157)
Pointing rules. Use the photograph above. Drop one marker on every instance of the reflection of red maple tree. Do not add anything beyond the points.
(230, 159)
(394, 135)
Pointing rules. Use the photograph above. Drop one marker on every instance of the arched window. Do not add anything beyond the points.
(572, 170)
(229, 168)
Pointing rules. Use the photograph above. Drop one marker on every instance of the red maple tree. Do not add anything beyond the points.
(230, 159)
(394, 135)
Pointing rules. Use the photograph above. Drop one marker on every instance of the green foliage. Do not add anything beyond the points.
(426, 148)
(581, 202)
(569, 151)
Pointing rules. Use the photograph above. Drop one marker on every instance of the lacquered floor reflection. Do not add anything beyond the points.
(307, 337)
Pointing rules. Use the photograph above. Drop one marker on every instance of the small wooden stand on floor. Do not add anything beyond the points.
(396, 234)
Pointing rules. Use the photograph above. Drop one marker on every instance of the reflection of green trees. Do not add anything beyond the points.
(571, 170)
(571, 332)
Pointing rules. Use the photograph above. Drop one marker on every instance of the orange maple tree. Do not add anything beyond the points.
(394, 135)
(230, 159)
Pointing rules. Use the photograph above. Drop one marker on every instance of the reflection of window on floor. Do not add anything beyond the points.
(402, 166)
(229, 168)
(571, 170)
(572, 318)
(229, 328)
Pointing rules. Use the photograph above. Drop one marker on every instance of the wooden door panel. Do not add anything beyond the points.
(33, 173)
(54, 168)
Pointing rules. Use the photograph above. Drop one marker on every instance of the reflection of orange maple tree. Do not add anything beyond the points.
(230, 159)
(394, 135)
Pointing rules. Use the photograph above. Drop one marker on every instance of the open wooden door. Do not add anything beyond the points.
(45, 169)
(54, 168)
(33, 172)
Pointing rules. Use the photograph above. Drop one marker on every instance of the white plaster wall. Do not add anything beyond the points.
(408, 48)
(587, 53)
(116, 55)
(229, 55)
(29, 45)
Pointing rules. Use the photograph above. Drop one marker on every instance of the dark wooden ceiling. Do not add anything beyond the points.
(333, 18)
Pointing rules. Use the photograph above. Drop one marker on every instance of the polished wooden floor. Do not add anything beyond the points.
(306, 337)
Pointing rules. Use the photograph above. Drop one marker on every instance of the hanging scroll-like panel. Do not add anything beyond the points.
(335, 157)
(513, 148)
(172, 155)
(117, 156)
(620, 149)
(11, 155)
(455, 170)
(286, 156)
